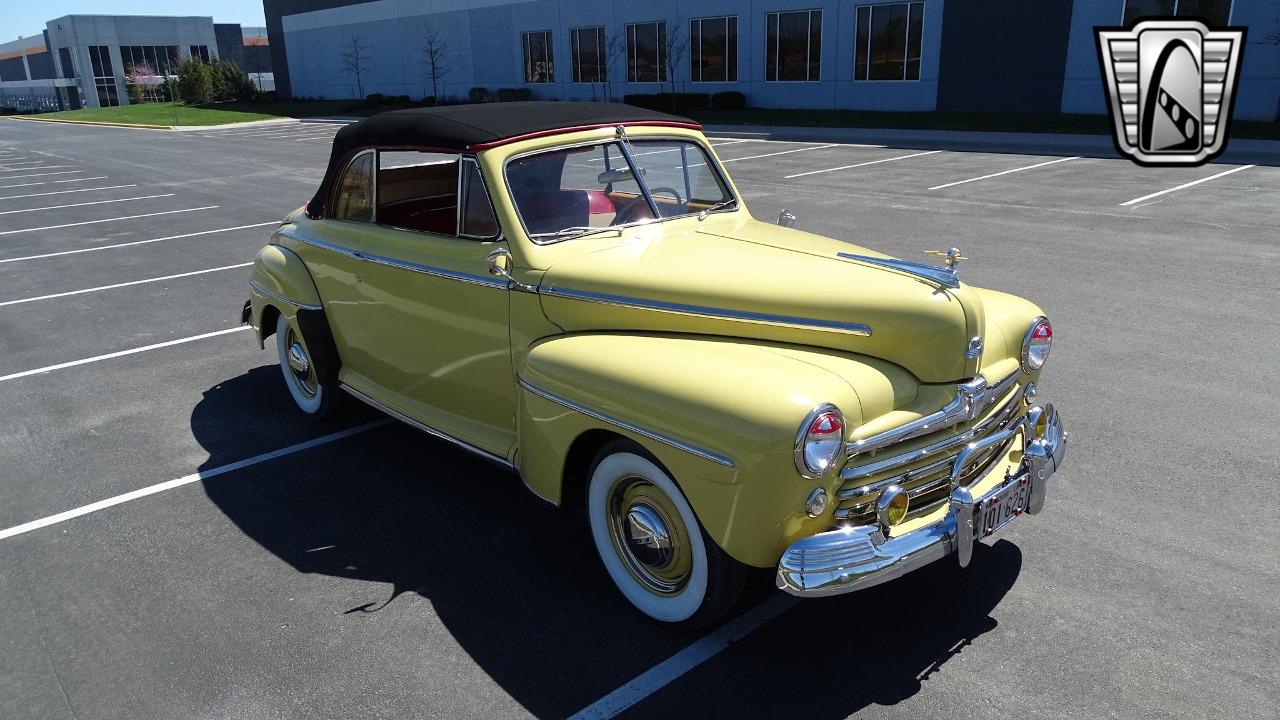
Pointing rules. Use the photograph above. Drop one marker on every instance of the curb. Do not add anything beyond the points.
(27, 118)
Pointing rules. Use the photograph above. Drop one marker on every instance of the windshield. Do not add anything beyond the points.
(570, 192)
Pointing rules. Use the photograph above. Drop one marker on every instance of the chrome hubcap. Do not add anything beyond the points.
(298, 361)
(649, 536)
(300, 365)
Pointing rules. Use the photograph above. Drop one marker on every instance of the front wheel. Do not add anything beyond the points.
(311, 396)
(652, 545)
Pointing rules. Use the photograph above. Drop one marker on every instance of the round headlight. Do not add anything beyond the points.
(820, 441)
(1035, 346)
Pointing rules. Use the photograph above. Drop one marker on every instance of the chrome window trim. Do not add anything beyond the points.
(971, 399)
(373, 192)
(704, 311)
(856, 473)
(491, 457)
(665, 439)
(258, 288)
(463, 160)
(945, 277)
(485, 280)
(713, 162)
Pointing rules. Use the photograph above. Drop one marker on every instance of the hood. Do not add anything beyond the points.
(737, 277)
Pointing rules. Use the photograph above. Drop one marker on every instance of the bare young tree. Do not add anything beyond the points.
(615, 52)
(435, 57)
(675, 50)
(355, 60)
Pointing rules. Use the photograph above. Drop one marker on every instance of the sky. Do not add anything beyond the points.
(20, 18)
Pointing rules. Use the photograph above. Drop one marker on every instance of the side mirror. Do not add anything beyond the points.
(499, 266)
(786, 219)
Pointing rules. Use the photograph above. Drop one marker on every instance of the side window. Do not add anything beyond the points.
(418, 191)
(354, 200)
(477, 218)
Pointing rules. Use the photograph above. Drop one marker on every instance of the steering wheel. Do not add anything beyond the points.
(630, 211)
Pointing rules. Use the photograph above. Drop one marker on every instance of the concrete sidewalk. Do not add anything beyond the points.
(1239, 151)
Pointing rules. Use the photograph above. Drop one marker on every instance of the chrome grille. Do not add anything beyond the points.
(922, 466)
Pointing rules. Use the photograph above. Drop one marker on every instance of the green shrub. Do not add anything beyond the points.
(479, 95)
(195, 84)
(400, 100)
(375, 98)
(506, 94)
(428, 101)
(728, 100)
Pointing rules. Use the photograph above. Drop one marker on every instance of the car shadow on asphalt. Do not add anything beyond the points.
(520, 590)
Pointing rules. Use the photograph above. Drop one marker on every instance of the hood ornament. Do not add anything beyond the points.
(952, 255)
(946, 277)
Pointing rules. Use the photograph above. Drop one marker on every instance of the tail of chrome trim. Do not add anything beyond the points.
(710, 312)
(678, 444)
(258, 288)
(501, 461)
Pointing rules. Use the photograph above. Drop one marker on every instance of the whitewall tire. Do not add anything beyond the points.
(651, 543)
(311, 396)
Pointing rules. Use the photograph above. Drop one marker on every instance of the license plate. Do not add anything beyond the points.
(1002, 507)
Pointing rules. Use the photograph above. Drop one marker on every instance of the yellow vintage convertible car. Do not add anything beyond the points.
(577, 292)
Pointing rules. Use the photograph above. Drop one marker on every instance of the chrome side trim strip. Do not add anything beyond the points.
(427, 428)
(972, 398)
(857, 473)
(703, 311)
(945, 277)
(431, 270)
(678, 444)
(257, 287)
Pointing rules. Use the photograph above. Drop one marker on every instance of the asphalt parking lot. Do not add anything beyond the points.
(176, 540)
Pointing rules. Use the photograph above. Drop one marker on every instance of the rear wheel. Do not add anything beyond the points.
(311, 396)
(652, 545)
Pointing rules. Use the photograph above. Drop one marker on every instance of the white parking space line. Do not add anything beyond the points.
(64, 192)
(121, 353)
(313, 137)
(54, 182)
(123, 284)
(188, 479)
(107, 220)
(10, 164)
(96, 248)
(1006, 172)
(861, 164)
(780, 152)
(83, 204)
(662, 674)
(60, 172)
(1185, 185)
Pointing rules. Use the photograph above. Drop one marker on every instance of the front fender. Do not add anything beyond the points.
(280, 280)
(720, 413)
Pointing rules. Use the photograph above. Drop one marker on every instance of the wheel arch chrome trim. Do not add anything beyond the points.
(705, 311)
(630, 427)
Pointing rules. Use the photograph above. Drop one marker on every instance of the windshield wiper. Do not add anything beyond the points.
(702, 215)
(581, 230)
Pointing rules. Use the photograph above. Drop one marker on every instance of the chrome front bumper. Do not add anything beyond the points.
(853, 558)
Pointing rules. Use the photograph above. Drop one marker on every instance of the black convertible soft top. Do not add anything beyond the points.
(470, 128)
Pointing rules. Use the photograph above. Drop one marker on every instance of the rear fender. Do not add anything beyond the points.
(282, 285)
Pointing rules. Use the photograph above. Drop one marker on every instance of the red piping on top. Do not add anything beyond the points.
(578, 128)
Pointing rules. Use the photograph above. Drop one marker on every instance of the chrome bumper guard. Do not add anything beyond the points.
(854, 558)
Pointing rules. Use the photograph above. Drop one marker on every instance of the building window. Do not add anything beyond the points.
(1215, 13)
(538, 65)
(713, 49)
(647, 52)
(793, 46)
(162, 59)
(68, 69)
(888, 42)
(588, 54)
(104, 79)
(200, 51)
